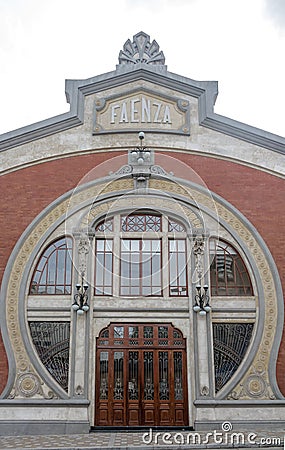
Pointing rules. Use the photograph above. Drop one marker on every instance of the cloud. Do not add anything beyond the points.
(157, 5)
(276, 12)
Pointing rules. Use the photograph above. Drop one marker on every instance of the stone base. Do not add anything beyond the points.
(36, 417)
(27, 427)
(239, 415)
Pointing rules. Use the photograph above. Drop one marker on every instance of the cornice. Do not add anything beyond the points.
(244, 132)
(38, 130)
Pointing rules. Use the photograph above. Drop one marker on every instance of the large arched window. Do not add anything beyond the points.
(229, 275)
(148, 251)
(53, 273)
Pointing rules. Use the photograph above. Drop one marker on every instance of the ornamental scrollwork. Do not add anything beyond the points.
(141, 50)
(83, 247)
(199, 250)
(28, 385)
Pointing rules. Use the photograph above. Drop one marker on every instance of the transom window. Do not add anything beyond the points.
(141, 222)
(147, 251)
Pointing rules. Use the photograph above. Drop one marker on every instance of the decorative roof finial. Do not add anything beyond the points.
(141, 50)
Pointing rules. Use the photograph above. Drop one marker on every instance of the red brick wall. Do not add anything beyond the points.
(258, 195)
(3, 365)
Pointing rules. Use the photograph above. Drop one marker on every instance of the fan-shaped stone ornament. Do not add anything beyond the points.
(141, 50)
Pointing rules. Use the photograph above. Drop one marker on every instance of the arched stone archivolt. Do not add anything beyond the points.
(258, 381)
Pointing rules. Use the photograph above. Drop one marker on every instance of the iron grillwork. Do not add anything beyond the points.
(51, 340)
(231, 341)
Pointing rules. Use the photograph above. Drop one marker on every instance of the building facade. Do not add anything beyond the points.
(142, 260)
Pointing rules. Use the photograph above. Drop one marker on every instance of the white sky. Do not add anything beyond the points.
(239, 43)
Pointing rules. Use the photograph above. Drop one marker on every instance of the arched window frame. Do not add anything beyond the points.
(61, 276)
(228, 271)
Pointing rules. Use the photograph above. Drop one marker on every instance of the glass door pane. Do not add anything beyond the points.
(104, 363)
(148, 376)
(133, 375)
(178, 386)
(118, 375)
(163, 376)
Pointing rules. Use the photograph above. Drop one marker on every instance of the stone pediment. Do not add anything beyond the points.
(141, 61)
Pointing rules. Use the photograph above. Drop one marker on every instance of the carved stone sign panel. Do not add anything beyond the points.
(141, 109)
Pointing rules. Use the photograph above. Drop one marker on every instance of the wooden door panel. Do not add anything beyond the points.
(143, 385)
(133, 413)
(103, 414)
(148, 415)
(179, 415)
(165, 415)
(118, 414)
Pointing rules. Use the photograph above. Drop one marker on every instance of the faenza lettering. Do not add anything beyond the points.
(140, 110)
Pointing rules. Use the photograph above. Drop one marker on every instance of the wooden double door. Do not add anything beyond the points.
(141, 376)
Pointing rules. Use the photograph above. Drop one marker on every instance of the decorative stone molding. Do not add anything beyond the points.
(135, 202)
(198, 250)
(79, 390)
(28, 385)
(141, 166)
(254, 384)
(204, 391)
(141, 50)
(83, 246)
(125, 170)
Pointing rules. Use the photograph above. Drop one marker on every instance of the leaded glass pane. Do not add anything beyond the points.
(229, 276)
(148, 332)
(163, 376)
(141, 222)
(133, 375)
(105, 225)
(118, 332)
(178, 380)
(118, 393)
(104, 367)
(173, 225)
(134, 332)
(162, 332)
(53, 272)
(148, 376)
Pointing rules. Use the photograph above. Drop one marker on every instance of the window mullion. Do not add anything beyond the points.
(141, 266)
(165, 265)
(116, 264)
